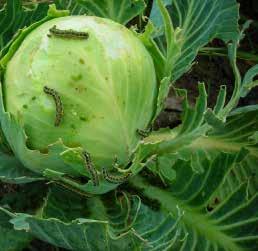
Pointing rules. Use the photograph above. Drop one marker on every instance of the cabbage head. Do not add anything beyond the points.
(106, 83)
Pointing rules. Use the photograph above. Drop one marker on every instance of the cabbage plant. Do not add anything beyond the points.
(105, 84)
(81, 91)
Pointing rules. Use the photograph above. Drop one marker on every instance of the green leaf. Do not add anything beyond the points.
(76, 7)
(213, 120)
(12, 171)
(163, 92)
(239, 132)
(159, 59)
(182, 30)
(120, 11)
(14, 17)
(87, 188)
(161, 166)
(199, 22)
(231, 225)
(239, 86)
(248, 82)
(203, 135)
(221, 99)
(63, 224)
(166, 141)
(179, 217)
(11, 240)
(8, 51)
(118, 223)
(4, 146)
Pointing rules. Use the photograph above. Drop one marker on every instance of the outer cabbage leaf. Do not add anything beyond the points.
(200, 124)
(10, 239)
(26, 198)
(121, 11)
(193, 24)
(14, 16)
(230, 225)
(167, 141)
(177, 217)
(174, 40)
(248, 81)
(11, 47)
(204, 134)
(206, 141)
(12, 171)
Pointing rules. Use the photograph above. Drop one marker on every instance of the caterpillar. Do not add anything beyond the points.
(58, 102)
(68, 33)
(115, 179)
(91, 168)
(143, 133)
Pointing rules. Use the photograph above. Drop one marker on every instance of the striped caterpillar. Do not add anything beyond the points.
(143, 133)
(68, 33)
(115, 179)
(91, 168)
(58, 102)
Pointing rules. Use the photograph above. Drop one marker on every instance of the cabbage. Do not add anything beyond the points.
(106, 83)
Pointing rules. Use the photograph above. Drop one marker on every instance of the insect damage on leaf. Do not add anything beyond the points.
(68, 33)
(58, 102)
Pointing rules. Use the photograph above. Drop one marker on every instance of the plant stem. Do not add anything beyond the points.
(232, 54)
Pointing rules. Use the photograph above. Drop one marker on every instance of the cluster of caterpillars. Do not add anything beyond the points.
(107, 176)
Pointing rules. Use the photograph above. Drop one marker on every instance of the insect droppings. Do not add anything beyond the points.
(58, 102)
(68, 33)
(115, 179)
(89, 165)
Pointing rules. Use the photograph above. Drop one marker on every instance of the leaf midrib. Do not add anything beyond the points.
(210, 143)
(192, 218)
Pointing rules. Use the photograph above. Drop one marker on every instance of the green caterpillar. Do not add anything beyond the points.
(143, 133)
(91, 168)
(58, 102)
(115, 179)
(68, 33)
